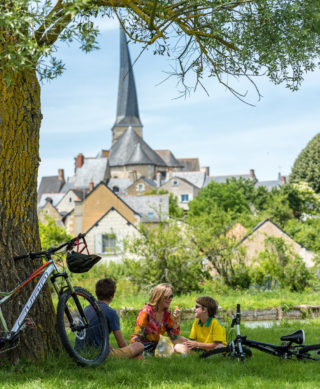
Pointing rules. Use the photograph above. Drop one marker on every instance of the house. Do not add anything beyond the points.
(282, 180)
(152, 209)
(184, 190)
(107, 235)
(99, 201)
(141, 186)
(254, 242)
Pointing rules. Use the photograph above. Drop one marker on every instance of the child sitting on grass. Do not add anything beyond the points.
(207, 332)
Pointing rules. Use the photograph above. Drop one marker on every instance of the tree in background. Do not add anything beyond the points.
(165, 254)
(306, 167)
(215, 38)
(219, 249)
(51, 234)
(279, 266)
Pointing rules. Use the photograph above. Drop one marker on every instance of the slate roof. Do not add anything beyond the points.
(151, 208)
(195, 178)
(189, 164)
(121, 183)
(223, 179)
(131, 149)
(50, 184)
(93, 169)
(127, 107)
(168, 158)
(270, 184)
(55, 197)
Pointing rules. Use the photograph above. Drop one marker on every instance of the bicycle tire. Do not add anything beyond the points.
(88, 345)
(310, 352)
(226, 351)
(215, 351)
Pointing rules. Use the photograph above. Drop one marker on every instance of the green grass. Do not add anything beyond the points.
(128, 295)
(261, 371)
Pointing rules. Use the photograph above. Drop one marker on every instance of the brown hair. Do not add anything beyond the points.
(209, 303)
(158, 293)
(105, 289)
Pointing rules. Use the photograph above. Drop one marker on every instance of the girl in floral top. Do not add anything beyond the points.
(155, 319)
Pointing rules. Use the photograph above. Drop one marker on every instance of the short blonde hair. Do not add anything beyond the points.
(158, 293)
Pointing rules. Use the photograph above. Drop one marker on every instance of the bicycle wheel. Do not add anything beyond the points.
(227, 351)
(216, 351)
(310, 352)
(82, 327)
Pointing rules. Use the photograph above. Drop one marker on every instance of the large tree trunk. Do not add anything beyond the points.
(20, 119)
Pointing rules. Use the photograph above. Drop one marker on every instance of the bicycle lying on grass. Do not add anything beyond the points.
(292, 346)
(72, 323)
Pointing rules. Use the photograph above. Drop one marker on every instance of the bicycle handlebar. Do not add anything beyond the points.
(51, 250)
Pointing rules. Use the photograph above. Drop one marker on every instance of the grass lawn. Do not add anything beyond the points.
(127, 294)
(260, 371)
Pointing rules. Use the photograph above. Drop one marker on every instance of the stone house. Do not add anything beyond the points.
(184, 190)
(141, 186)
(107, 235)
(254, 242)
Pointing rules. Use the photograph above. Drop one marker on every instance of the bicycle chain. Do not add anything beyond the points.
(11, 348)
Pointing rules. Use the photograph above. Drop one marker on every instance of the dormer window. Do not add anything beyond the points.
(115, 189)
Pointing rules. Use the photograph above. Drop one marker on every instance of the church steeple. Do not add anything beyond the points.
(127, 107)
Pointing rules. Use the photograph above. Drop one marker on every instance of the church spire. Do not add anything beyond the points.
(127, 107)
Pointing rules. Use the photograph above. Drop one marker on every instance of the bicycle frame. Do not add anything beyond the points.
(284, 350)
(47, 269)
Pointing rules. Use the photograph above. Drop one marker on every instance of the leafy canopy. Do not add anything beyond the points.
(306, 167)
(217, 38)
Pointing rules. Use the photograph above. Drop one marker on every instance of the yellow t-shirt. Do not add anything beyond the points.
(210, 332)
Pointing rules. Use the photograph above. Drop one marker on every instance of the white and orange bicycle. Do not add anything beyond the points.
(72, 324)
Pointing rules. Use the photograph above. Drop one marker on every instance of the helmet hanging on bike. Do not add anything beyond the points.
(81, 263)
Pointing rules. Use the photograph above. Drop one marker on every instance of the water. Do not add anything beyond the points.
(268, 323)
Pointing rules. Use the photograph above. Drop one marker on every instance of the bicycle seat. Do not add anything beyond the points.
(296, 337)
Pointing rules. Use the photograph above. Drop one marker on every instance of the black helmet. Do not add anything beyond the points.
(81, 263)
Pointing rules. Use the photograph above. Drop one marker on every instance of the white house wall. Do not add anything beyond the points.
(111, 223)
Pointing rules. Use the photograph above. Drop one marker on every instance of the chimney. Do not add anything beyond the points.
(158, 179)
(252, 175)
(133, 175)
(283, 180)
(91, 186)
(61, 175)
(79, 160)
(206, 170)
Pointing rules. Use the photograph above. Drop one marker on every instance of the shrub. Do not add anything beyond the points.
(279, 266)
(165, 254)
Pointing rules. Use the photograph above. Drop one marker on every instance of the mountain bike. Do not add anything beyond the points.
(78, 314)
(292, 346)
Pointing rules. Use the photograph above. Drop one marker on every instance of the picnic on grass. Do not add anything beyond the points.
(154, 320)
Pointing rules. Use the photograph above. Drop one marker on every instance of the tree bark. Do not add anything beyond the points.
(20, 119)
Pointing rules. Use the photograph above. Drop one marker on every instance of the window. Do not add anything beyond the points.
(175, 182)
(184, 198)
(140, 187)
(108, 243)
(150, 215)
(115, 189)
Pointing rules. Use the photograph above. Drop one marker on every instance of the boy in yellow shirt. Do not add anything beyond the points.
(207, 332)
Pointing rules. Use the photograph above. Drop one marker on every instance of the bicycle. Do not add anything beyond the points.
(79, 317)
(292, 345)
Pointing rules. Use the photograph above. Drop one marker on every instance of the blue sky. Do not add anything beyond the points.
(230, 137)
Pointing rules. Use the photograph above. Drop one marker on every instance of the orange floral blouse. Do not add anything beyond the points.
(147, 329)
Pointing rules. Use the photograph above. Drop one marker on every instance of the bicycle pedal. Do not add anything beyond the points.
(29, 322)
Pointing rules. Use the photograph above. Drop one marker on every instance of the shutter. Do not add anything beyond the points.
(98, 243)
